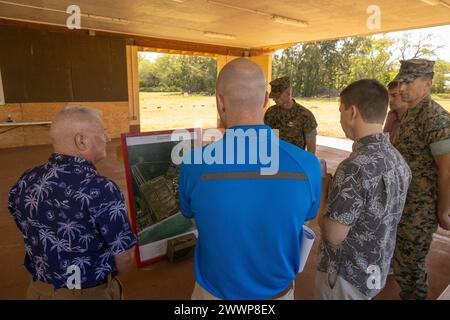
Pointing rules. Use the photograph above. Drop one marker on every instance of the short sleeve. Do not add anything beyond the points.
(310, 127)
(315, 182)
(267, 118)
(14, 199)
(437, 132)
(184, 198)
(111, 219)
(346, 196)
(11, 200)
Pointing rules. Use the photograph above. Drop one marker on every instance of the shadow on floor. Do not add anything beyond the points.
(165, 280)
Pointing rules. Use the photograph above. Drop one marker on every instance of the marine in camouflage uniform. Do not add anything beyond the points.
(424, 133)
(296, 124)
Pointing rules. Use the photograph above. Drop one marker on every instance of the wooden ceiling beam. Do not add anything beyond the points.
(173, 46)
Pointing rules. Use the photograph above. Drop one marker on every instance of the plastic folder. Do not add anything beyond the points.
(308, 237)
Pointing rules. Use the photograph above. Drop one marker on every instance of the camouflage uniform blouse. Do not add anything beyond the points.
(424, 132)
(295, 124)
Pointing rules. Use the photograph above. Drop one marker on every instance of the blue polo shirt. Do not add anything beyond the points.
(249, 224)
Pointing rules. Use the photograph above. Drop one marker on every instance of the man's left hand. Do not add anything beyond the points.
(444, 221)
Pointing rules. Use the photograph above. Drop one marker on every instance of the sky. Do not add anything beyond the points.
(441, 36)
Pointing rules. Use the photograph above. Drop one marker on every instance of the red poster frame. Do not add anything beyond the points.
(132, 208)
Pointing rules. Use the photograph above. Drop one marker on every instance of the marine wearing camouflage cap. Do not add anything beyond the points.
(414, 68)
(278, 86)
(423, 139)
(295, 123)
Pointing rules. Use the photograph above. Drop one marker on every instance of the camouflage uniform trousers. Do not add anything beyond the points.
(414, 236)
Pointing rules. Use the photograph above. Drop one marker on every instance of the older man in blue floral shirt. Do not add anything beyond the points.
(74, 221)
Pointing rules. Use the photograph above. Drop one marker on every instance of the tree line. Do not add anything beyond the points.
(178, 73)
(315, 69)
(325, 68)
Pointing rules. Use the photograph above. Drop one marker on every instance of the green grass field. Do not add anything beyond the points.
(173, 110)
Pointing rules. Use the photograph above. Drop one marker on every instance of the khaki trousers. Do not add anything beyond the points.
(111, 290)
(328, 287)
(201, 294)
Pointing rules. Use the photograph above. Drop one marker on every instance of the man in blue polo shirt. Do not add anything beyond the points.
(250, 196)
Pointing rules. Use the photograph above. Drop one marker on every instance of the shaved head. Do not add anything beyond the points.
(241, 89)
(78, 131)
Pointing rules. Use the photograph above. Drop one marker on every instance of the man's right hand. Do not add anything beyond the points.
(124, 261)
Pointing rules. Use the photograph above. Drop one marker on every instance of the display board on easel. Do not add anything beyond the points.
(152, 181)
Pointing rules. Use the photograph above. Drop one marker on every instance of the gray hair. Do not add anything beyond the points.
(70, 115)
(79, 111)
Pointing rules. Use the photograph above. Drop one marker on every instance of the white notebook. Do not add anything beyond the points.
(308, 237)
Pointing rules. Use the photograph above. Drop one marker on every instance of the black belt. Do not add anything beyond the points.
(95, 285)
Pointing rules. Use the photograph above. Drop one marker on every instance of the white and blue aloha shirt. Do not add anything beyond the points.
(70, 215)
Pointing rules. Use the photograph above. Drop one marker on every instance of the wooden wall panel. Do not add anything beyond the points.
(41, 111)
(44, 66)
(13, 109)
(36, 135)
(47, 67)
(14, 137)
(115, 116)
(99, 70)
(13, 74)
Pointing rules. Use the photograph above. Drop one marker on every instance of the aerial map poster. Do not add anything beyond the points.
(152, 181)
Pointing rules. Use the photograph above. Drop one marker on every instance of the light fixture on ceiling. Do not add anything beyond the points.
(86, 15)
(179, 1)
(289, 21)
(431, 2)
(436, 2)
(107, 19)
(210, 34)
(274, 17)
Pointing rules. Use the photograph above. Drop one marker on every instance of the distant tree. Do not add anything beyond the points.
(326, 67)
(312, 67)
(424, 47)
(441, 77)
(178, 73)
(147, 78)
(374, 59)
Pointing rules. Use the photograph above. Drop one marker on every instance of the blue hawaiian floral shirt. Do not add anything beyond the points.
(70, 215)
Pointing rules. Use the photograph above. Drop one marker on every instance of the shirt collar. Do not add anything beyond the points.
(294, 105)
(414, 111)
(377, 138)
(63, 159)
(393, 114)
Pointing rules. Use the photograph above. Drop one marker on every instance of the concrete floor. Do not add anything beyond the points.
(165, 280)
